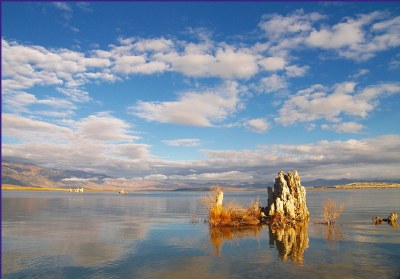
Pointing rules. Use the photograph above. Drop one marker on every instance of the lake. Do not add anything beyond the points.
(152, 235)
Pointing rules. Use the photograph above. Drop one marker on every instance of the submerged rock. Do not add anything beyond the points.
(391, 220)
(287, 201)
(377, 220)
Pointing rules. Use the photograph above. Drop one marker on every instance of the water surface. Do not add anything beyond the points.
(150, 235)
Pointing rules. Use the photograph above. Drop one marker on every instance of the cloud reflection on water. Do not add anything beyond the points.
(75, 231)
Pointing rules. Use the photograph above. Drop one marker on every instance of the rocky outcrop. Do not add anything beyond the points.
(287, 200)
(391, 220)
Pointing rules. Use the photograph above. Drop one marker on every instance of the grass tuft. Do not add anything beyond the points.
(230, 215)
(330, 212)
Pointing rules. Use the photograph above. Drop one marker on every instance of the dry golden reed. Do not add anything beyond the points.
(229, 215)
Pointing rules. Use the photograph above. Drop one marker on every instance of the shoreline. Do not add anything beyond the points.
(357, 186)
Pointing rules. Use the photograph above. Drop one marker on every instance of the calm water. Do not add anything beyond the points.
(150, 235)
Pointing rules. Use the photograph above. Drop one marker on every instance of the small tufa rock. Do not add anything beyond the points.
(392, 218)
(219, 198)
(288, 198)
(377, 220)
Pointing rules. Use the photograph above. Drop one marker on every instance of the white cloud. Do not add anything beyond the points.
(323, 159)
(183, 142)
(199, 61)
(18, 102)
(273, 84)
(193, 108)
(257, 125)
(62, 6)
(344, 34)
(357, 38)
(273, 63)
(96, 143)
(360, 73)
(296, 71)
(27, 66)
(75, 94)
(76, 179)
(157, 44)
(156, 177)
(133, 151)
(28, 129)
(104, 128)
(137, 64)
(221, 176)
(277, 26)
(345, 127)
(318, 102)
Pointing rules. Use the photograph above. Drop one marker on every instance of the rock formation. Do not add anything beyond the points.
(288, 198)
(391, 219)
(219, 197)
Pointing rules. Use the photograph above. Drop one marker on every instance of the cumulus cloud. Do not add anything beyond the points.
(137, 64)
(104, 128)
(28, 129)
(98, 143)
(357, 38)
(76, 179)
(156, 177)
(273, 63)
(345, 127)
(273, 84)
(22, 102)
(133, 151)
(296, 71)
(257, 125)
(193, 108)
(183, 142)
(277, 26)
(319, 102)
(156, 44)
(374, 158)
(328, 159)
(200, 61)
(221, 176)
(62, 6)
(360, 73)
(29, 65)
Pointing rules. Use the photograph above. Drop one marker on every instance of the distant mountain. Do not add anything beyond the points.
(22, 174)
(342, 181)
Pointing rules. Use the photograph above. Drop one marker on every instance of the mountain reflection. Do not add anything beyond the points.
(291, 242)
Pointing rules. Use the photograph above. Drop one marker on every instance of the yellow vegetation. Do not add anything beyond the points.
(230, 215)
(330, 211)
(28, 188)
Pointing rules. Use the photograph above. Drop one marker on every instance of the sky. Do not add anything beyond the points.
(203, 92)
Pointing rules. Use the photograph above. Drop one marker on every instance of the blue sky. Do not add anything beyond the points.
(203, 92)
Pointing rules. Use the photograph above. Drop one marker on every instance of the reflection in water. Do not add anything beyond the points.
(220, 234)
(149, 235)
(290, 242)
(333, 234)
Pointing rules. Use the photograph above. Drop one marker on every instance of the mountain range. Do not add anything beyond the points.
(22, 174)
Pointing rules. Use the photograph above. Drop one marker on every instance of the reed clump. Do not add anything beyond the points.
(229, 215)
(330, 212)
